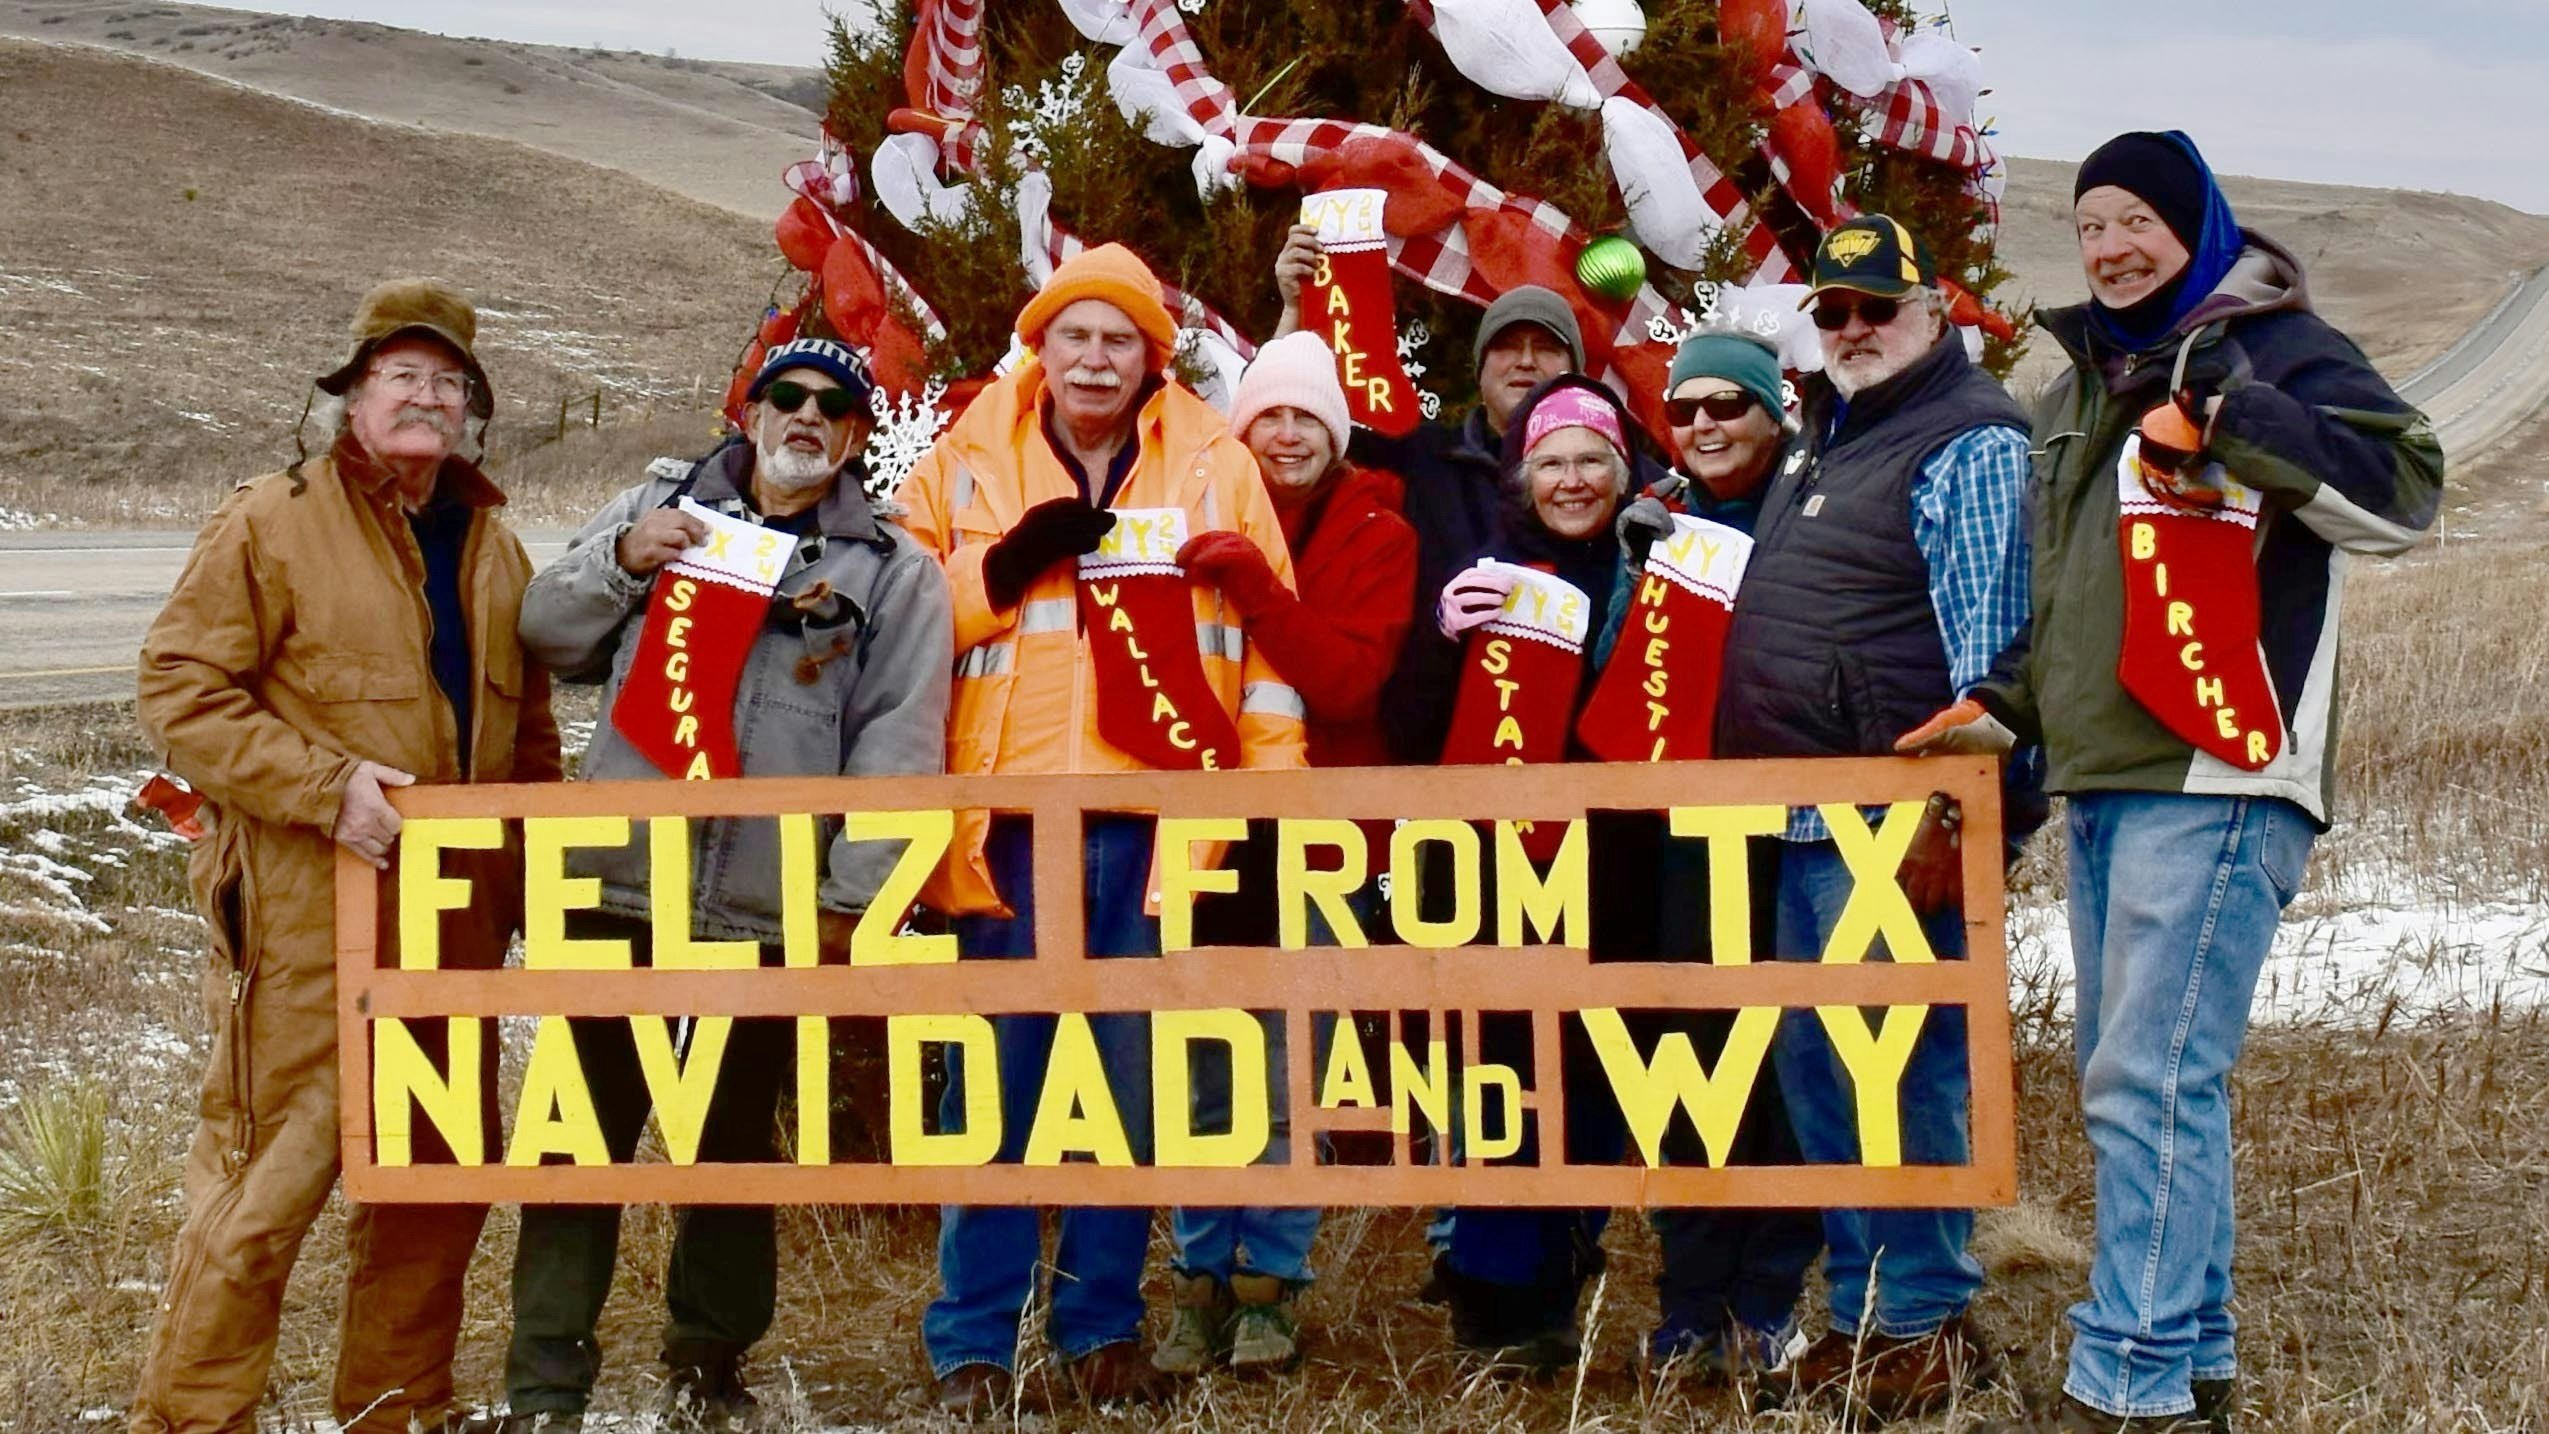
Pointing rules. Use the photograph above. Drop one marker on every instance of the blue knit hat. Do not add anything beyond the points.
(1743, 360)
(840, 363)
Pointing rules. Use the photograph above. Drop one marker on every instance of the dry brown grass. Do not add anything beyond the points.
(2394, 1256)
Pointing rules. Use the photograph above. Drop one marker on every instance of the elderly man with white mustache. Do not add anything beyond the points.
(1891, 568)
(1028, 480)
(343, 626)
(843, 674)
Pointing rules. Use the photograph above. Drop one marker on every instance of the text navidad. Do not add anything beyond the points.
(1078, 1115)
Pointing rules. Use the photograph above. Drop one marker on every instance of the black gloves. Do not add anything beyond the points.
(1046, 534)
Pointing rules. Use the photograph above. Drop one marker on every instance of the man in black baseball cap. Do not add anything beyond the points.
(1889, 569)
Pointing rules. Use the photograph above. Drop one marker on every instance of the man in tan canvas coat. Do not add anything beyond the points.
(342, 627)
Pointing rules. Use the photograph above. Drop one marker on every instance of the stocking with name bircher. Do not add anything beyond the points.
(1153, 700)
(677, 707)
(1656, 700)
(1347, 302)
(2191, 621)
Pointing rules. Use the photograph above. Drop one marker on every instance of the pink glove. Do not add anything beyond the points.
(1472, 598)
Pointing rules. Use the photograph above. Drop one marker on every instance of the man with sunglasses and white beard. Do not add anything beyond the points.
(846, 676)
(1890, 569)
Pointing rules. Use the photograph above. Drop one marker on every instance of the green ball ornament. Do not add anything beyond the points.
(1612, 267)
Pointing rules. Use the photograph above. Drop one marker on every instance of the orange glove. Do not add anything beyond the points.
(1962, 728)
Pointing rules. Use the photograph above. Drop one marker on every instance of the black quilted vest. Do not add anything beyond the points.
(1835, 649)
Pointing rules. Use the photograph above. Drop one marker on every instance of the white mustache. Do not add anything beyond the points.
(1094, 378)
(433, 418)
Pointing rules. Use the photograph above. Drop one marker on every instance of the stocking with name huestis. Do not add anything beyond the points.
(677, 706)
(2191, 614)
(1153, 699)
(1656, 700)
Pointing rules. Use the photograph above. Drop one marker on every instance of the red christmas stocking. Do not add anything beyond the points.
(1153, 700)
(1348, 302)
(1518, 684)
(1656, 700)
(2190, 616)
(677, 707)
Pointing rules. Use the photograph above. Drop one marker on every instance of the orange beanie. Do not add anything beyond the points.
(1116, 275)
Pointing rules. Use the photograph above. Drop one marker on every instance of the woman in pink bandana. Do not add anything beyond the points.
(1513, 1276)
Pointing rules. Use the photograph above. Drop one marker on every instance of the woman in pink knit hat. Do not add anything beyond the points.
(1335, 641)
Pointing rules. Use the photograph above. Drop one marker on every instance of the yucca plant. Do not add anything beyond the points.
(69, 1179)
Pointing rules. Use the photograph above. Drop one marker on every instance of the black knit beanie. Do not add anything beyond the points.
(2157, 171)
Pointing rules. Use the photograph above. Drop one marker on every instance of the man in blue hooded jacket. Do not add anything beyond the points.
(2183, 853)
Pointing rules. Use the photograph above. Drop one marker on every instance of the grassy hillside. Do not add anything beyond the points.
(164, 327)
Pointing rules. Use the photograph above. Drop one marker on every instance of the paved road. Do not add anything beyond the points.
(2495, 377)
(77, 603)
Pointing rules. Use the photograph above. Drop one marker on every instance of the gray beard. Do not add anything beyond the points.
(789, 471)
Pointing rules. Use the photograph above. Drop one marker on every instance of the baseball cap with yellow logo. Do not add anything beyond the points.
(1872, 254)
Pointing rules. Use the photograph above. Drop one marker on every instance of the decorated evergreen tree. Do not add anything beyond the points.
(1661, 165)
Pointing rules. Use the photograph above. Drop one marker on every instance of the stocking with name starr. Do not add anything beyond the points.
(1347, 302)
(677, 707)
(1153, 699)
(1518, 682)
(1656, 700)
(2188, 532)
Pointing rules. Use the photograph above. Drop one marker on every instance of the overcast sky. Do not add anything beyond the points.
(2422, 94)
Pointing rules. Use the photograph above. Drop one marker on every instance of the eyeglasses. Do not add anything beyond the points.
(447, 387)
(1833, 315)
(834, 404)
(1558, 465)
(1720, 407)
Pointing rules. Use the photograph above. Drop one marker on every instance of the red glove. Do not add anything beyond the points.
(1236, 565)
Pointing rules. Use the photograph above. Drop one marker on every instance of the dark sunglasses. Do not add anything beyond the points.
(1833, 315)
(833, 403)
(1721, 407)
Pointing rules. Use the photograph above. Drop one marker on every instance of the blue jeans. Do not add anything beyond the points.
(2174, 900)
(987, 1254)
(1916, 1259)
(1275, 1239)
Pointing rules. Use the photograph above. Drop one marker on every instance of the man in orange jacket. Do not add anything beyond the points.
(1032, 479)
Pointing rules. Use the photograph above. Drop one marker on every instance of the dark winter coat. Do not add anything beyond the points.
(2346, 467)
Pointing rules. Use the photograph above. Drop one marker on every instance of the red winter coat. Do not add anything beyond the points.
(1356, 573)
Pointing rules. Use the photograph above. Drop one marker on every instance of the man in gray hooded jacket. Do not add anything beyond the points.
(847, 676)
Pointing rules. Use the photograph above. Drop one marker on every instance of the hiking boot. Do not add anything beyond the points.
(2215, 1400)
(709, 1397)
(1263, 1336)
(2070, 1416)
(1892, 1378)
(1117, 1373)
(1198, 1326)
(971, 1391)
(1739, 1351)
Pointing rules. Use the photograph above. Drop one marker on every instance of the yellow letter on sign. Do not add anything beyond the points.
(1649, 1091)
(555, 1115)
(403, 1077)
(424, 893)
(1406, 917)
(1875, 1060)
(668, 906)
(1877, 907)
(1561, 907)
(1181, 881)
(906, 1038)
(1173, 1109)
(1729, 871)
(1296, 885)
(1075, 1113)
(925, 836)
(548, 893)
(681, 1087)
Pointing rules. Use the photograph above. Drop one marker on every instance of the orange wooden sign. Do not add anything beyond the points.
(426, 1049)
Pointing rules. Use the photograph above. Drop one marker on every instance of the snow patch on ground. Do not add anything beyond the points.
(14, 520)
(2375, 944)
